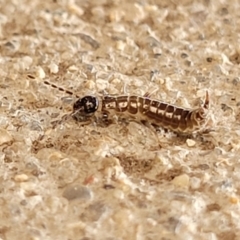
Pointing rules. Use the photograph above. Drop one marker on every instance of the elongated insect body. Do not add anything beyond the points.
(158, 113)
(161, 114)
(141, 108)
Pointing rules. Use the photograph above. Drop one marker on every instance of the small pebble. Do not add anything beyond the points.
(77, 192)
(135, 12)
(53, 68)
(40, 72)
(190, 142)
(157, 50)
(94, 211)
(118, 82)
(234, 200)
(98, 12)
(102, 84)
(201, 93)
(26, 62)
(21, 178)
(115, 15)
(75, 9)
(28, 187)
(218, 93)
(181, 181)
(120, 45)
(195, 182)
(90, 85)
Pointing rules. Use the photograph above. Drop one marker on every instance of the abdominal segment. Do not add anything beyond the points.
(156, 112)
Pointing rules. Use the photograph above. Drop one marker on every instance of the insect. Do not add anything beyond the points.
(142, 108)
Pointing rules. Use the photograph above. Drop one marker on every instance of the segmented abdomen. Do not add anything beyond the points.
(156, 112)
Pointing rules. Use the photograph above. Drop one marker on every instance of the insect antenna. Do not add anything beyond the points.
(60, 88)
(66, 116)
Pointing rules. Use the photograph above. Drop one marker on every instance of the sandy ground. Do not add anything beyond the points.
(125, 180)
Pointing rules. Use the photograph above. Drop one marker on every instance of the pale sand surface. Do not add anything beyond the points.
(124, 181)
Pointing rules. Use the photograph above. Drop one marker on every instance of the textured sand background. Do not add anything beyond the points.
(124, 181)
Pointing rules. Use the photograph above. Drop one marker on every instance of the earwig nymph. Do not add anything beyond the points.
(158, 113)
(141, 108)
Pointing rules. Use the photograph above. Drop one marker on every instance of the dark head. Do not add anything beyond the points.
(85, 107)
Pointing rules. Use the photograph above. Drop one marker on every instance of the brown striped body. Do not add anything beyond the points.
(141, 108)
(156, 112)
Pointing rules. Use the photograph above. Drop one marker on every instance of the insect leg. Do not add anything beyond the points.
(149, 94)
(206, 102)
